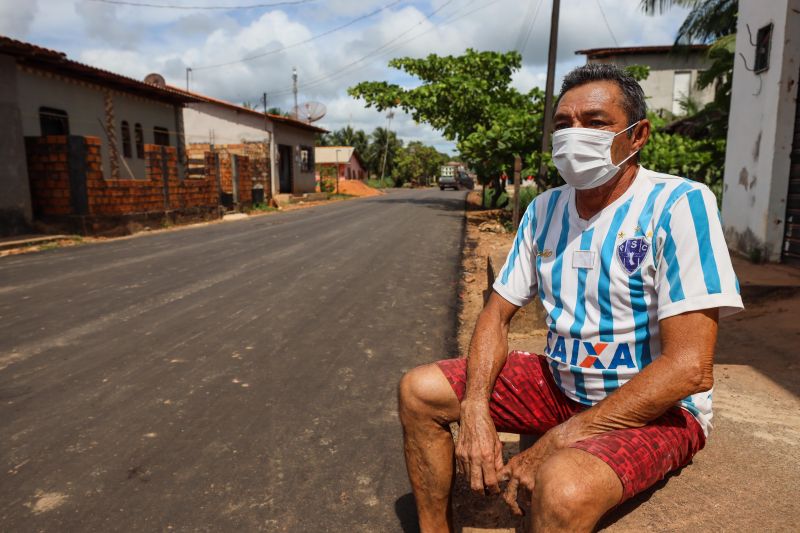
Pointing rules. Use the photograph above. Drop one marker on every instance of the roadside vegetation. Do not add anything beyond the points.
(384, 154)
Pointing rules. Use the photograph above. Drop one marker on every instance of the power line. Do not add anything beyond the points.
(523, 28)
(196, 7)
(524, 44)
(344, 70)
(385, 49)
(380, 52)
(607, 24)
(299, 43)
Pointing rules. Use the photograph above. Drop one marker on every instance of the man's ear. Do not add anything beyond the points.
(641, 133)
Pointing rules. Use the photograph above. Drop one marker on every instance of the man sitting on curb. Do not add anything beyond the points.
(632, 269)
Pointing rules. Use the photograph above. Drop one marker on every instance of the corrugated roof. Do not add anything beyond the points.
(594, 53)
(58, 63)
(229, 105)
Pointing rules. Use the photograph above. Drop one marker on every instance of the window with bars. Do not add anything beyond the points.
(138, 133)
(126, 140)
(306, 159)
(161, 136)
(53, 121)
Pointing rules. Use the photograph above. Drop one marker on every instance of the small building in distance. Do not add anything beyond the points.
(281, 148)
(673, 73)
(345, 158)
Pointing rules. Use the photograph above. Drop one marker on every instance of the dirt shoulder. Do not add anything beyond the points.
(747, 477)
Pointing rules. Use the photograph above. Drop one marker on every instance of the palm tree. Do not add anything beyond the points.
(385, 144)
(707, 21)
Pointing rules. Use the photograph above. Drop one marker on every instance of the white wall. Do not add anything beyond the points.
(760, 131)
(85, 106)
(658, 85)
(210, 123)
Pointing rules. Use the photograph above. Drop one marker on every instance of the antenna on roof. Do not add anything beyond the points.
(156, 79)
(309, 111)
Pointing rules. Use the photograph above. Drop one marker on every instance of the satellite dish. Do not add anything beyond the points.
(155, 79)
(309, 111)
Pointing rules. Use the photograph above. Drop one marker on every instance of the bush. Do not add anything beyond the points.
(487, 198)
(375, 183)
(526, 196)
(327, 185)
(700, 160)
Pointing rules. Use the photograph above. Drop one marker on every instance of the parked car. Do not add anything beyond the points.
(456, 181)
(466, 181)
(448, 182)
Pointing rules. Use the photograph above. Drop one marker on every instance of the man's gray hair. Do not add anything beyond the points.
(633, 96)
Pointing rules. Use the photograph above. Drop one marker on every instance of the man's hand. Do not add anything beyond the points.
(479, 451)
(521, 469)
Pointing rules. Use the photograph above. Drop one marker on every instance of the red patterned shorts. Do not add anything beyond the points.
(526, 400)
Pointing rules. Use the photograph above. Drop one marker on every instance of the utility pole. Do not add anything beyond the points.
(188, 70)
(337, 172)
(548, 92)
(389, 117)
(294, 90)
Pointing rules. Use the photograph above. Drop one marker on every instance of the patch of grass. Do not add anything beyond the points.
(50, 246)
(340, 196)
(377, 184)
(263, 208)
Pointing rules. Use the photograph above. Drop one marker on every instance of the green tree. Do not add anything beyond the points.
(417, 163)
(469, 99)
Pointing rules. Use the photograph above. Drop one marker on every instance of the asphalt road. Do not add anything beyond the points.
(238, 376)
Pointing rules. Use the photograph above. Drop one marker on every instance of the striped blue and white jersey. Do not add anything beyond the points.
(656, 251)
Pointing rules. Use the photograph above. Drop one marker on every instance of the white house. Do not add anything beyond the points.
(761, 198)
(673, 74)
(290, 142)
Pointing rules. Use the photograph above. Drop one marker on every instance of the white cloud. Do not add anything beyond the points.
(16, 18)
(135, 41)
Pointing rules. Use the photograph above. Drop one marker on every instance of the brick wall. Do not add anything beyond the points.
(48, 172)
(253, 162)
(55, 192)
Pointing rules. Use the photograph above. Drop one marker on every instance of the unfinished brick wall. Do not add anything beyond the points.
(67, 179)
(48, 172)
(116, 197)
(253, 165)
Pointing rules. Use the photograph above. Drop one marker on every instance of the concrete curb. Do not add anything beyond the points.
(30, 241)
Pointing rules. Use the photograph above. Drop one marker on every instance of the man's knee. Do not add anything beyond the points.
(425, 391)
(573, 490)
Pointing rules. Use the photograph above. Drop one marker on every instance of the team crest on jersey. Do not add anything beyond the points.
(631, 253)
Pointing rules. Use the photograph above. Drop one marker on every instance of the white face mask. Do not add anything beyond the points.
(583, 156)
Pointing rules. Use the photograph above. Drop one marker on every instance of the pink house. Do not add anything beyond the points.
(344, 157)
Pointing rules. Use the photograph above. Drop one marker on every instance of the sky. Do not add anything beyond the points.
(237, 54)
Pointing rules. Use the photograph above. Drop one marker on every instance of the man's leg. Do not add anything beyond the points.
(573, 490)
(577, 485)
(427, 406)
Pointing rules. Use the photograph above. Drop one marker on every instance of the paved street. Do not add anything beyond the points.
(237, 376)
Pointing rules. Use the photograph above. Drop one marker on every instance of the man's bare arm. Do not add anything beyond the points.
(478, 450)
(685, 367)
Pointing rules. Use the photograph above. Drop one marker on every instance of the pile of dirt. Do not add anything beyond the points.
(357, 188)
